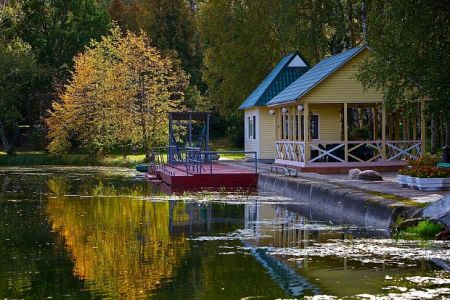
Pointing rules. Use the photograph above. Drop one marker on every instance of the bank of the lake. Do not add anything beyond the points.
(36, 158)
(384, 204)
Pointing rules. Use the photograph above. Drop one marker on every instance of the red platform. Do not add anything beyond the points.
(221, 175)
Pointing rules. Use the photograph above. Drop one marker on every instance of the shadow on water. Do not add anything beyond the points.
(99, 232)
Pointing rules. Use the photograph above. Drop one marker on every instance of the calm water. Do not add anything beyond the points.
(101, 233)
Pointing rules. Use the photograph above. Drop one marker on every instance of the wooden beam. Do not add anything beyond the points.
(306, 131)
(423, 128)
(383, 131)
(346, 131)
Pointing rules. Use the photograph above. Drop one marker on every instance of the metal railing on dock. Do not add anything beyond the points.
(191, 160)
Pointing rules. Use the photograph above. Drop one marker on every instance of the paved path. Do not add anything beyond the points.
(388, 186)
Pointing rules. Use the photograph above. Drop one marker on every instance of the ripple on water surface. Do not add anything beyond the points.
(100, 233)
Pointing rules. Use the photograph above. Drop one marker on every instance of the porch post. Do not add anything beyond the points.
(383, 131)
(346, 131)
(306, 131)
(292, 124)
(277, 124)
(423, 128)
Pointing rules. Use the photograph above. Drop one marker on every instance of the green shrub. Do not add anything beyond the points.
(423, 230)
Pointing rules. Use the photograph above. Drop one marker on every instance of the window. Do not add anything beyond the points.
(254, 127)
(249, 127)
(314, 126)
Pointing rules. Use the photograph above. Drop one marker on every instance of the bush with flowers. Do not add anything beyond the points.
(424, 167)
(425, 160)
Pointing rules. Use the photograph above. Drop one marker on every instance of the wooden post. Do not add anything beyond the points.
(423, 128)
(278, 123)
(383, 131)
(346, 131)
(292, 122)
(414, 121)
(306, 131)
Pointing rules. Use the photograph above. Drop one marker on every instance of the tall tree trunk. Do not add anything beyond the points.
(364, 20)
(434, 134)
(6, 146)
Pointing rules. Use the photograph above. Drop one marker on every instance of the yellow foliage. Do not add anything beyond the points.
(120, 93)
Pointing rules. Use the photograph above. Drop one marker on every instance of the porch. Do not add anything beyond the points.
(321, 137)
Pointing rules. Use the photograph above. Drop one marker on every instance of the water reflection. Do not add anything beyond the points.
(84, 233)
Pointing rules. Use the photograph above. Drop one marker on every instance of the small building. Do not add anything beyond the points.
(259, 133)
(325, 121)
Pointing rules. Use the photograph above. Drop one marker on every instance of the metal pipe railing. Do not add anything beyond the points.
(193, 159)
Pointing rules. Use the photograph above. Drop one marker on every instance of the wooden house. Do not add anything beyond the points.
(259, 130)
(324, 121)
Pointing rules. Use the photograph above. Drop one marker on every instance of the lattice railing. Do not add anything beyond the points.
(290, 150)
(398, 150)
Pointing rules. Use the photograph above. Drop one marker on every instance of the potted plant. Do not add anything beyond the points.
(431, 178)
(423, 174)
(404, 176)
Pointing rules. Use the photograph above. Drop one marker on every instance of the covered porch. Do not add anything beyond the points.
(335, 137)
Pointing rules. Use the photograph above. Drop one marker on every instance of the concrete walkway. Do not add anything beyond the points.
(388, 186)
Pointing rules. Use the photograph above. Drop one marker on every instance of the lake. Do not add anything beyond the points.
(69, 232)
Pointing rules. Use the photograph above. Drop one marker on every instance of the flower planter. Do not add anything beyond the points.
(403, 180)
(432, 184)
(411, 181)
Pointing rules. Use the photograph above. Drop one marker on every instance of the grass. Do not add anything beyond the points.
(423, 230)
(224, 144)
(396, 198)
(42, 158)
(30, 158)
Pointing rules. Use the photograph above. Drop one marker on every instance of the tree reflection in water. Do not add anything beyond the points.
(120, 247)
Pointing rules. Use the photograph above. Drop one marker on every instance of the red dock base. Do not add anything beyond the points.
(219, 175)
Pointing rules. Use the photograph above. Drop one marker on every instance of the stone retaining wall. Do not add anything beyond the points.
(339, 204)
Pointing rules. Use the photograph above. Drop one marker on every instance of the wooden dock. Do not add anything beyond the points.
(211, 175)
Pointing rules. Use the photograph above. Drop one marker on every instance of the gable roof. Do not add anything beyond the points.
(314, 76)
(290, 68)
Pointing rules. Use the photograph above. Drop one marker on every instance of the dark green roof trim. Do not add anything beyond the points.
(277, 80)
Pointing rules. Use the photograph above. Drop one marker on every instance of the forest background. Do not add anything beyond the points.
(224, 48)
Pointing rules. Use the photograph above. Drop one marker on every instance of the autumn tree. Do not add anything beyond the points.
(119, 95)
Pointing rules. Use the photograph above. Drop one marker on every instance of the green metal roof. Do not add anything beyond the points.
(314, 76)
(284, 73)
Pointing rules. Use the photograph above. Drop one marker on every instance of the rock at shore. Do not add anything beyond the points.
(370, 175)
(439, 211)
(353, 174)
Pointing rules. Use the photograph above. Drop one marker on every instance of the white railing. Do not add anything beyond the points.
(399, 150)
(351, 151)
(365, 151)
(326, 151)
(290, 150)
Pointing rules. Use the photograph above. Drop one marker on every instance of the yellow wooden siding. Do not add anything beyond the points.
(342, 86)
(266, 133)
(329, 121)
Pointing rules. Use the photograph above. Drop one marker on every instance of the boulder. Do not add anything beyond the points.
(353, 174)
(439, 211)
(370, 175)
